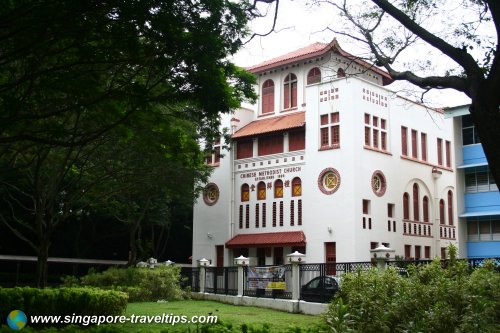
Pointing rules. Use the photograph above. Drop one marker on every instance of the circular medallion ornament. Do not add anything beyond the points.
(211, 194)
(329, 181)
(378, 182)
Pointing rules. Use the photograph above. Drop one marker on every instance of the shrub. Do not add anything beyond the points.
(62, 301)
(67, 329)
(141, 284)
(431, 299)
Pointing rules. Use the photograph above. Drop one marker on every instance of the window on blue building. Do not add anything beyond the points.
(479, 179)
(483, 229)
(469, 132)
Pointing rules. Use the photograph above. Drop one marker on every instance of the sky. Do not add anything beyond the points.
(299, 25)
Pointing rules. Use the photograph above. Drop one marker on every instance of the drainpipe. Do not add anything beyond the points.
(436, 174)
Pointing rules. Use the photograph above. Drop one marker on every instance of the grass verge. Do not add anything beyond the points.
(235, 315)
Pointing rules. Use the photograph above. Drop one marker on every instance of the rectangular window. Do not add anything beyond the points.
(241, 217)
(247, 216)
(366, 206)
(423, 146)
(335, 135)
(330, 130)
(264, 215)
(448, 153)
(296, 140)
(272, 144)
(367, 136)
(418, 253)
(217, 155)
(281, 213)
(292, 213)
(390, 210)
(299, 212)
(244, 149)
(440, 151)
(469, 132)
(404, 141)
(257, 217)
(427, 252)
(414, 144)
(274, 214)
(407, 252)
(383, 140)
(375, 138)
(388, 225)
(394, 226)
(367, 119)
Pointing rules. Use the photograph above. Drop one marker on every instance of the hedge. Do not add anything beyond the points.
(62, 301)
(141, 284)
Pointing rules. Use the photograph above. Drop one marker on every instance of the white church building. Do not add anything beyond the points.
(329, 162)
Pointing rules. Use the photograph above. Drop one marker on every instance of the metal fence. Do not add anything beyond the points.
(190, 276)
(277, 283)
(221, 280)
(311, 271)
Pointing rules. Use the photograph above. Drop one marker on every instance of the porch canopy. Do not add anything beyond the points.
(270, 239)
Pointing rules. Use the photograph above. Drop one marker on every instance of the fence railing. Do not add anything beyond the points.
(221, 280)
(277, 281)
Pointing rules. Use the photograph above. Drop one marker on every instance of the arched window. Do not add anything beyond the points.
(416, 208)
(268, 96)
(340, 73)
(426, 208)
(296, 187)
(450, 208)
(261, 191)
(245, 192)
(314, 76)
(441, 211)
(406, 206)
(278, 188)
(290, 91)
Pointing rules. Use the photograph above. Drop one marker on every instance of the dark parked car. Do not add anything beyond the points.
(320, 289)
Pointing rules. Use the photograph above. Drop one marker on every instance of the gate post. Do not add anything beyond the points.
(203, 263)
(382, 254)
(241, 262)
(296, 259)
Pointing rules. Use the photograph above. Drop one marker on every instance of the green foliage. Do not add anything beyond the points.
(62, 301)
(67, 329)
(141, 284)
(431, 299)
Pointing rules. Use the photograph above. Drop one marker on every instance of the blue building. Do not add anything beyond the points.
(479, 206)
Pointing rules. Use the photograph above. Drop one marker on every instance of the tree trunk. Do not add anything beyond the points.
(42, 264)
(486, 116)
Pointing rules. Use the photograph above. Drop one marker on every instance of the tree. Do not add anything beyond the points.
(78, 79)
(112, 57)
(434, 45)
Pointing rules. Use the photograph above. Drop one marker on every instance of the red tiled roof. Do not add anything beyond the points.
(307, 51)
(273, 124)
(289, 238)
(315, 50)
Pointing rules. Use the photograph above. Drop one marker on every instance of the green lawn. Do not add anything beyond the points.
(237, 315)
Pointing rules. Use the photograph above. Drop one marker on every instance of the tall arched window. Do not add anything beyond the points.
(290, 91)
(268, 96)
(296, 187)
(278, 188)
(314, 76)
(406, 206)
(450, 208)
(261, 191)
(426, 208)
(441, 211)
(416, 208)
(340, 73)
(245, 192)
